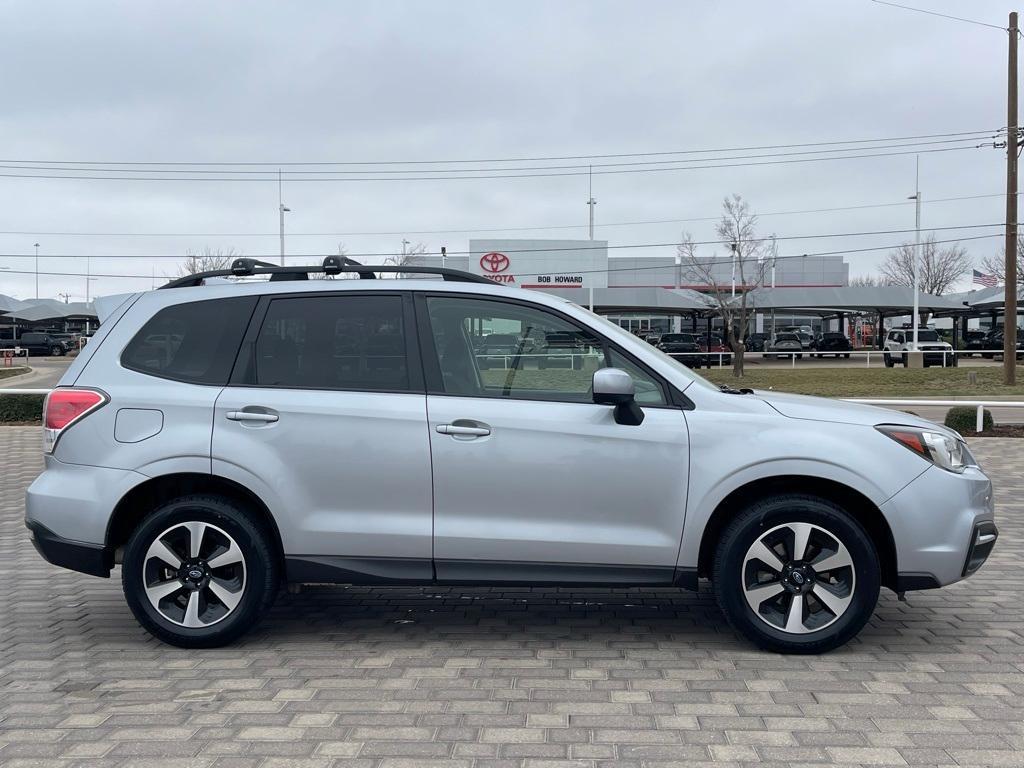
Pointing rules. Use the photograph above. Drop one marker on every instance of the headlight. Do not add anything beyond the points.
(939, 448)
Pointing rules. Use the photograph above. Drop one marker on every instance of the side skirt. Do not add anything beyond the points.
(383, 571)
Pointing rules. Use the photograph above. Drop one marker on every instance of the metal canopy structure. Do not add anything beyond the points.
(10, 304)
(883, 299)
(654, 300)
(50, 309)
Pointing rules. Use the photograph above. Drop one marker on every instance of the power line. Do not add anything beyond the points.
(511, 159)
(304, 179)
(398, 232)
(713, 260)
(941, 15)
(622, 246)
(20, 165)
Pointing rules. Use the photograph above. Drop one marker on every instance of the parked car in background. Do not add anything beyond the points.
(247, 454)
(803, 332)
(831, 344)
(996, 338)
(496, 349)
(756, 342)
(653, 339)
(715, 347)
(785, 345)
(684, 348)
(974, 344)
(37, 344)
(69, 340)
(899, 342)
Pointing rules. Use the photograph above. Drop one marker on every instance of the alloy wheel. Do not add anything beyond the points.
(194, 574)
(798, 578)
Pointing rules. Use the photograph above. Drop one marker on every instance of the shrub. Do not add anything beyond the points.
(21, 408)
(964, 419)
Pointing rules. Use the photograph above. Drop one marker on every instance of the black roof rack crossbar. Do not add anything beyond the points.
(332, 265)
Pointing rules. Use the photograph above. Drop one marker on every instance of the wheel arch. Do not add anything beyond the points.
(865, 511)
(144, 497)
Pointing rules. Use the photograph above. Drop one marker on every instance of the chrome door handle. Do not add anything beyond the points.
(266, 418)
(458, 429)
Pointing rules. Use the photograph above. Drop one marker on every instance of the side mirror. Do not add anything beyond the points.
(613, 386)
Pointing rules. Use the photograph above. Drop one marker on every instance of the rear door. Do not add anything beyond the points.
(325, 418)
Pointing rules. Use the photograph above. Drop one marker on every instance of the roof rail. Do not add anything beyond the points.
(332, 265)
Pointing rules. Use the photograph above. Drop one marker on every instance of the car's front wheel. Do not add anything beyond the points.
(200, 571)
(796, 574)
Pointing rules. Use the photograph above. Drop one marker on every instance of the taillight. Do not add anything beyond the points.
(63, 408)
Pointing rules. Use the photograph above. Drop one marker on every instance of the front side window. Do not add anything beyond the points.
(194, 342)
(498, 349)
(332, 342)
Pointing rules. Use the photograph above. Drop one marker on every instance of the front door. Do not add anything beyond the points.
(326, 421)
(534, 482)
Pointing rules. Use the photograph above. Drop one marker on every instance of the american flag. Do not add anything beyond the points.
(989, 281)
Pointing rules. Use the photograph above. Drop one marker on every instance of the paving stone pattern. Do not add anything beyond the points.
(471, 678)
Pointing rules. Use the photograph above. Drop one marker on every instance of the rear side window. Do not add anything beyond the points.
(333, 342)
(194, 342)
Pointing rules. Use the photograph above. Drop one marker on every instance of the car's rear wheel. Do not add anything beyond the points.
(56, 351)
(796, 574)
(199, 572)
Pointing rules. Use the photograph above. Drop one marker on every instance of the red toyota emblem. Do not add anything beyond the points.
(494, 262)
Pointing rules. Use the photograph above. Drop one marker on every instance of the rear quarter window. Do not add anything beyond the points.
(195, 342)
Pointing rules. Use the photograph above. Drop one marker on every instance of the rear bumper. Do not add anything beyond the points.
(92, 559)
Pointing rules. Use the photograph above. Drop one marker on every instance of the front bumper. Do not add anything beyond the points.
(92, 559)
(935, 522)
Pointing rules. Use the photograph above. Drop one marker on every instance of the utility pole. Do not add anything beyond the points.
(1010, 295)
(37, 269)
(591, 202)
(916, 197)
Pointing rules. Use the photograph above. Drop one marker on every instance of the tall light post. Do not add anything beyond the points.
(282, 209)
(591, 202)
(37, 269)
(733, 246)
(916, 197)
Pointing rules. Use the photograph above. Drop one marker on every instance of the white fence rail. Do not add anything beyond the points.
(980, 405)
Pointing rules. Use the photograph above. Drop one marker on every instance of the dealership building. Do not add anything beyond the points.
(638, 292)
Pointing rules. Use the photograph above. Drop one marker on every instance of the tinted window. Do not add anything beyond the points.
(333, 342)
(548, 358)
(927, 336)
(194, 342)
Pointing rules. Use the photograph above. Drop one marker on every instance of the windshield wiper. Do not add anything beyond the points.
(733, 391)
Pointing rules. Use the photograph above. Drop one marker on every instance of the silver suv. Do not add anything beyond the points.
(221, 440)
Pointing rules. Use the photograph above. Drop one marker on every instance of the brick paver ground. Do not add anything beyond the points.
(487, 677)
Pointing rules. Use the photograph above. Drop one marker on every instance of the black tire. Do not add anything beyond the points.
(56, 351)
(889, 362)
(846, 356)
(761, 518)
(260, 582)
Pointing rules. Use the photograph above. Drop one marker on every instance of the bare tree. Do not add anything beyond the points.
(409, 257)
(738, 228)
(866, 281)
(939, 269)
(996, 265)
(207, 260)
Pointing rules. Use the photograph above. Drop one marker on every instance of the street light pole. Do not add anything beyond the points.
(591, 202)
(916, 197)
(37, 270)
(733, 270)
(282, 209)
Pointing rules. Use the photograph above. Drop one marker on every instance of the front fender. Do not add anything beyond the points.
(730, 451)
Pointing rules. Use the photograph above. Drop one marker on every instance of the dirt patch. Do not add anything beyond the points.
(1000, 430)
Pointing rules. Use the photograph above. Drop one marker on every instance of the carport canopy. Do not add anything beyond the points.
(648, 299)
(883, 299)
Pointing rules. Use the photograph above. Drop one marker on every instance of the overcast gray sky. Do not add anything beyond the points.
(370, 81)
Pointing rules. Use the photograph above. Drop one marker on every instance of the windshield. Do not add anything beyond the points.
(923, 335)
(676, 338)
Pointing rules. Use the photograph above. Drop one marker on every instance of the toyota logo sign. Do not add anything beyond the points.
(494, 262)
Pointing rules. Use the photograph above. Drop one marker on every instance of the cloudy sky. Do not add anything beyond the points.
(339, 82)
